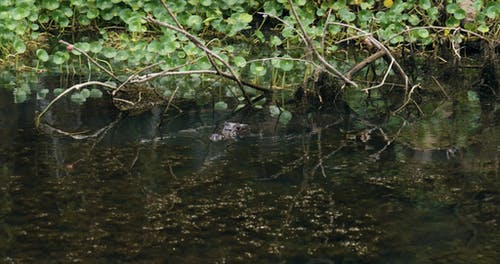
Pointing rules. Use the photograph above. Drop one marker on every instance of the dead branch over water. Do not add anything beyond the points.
(220, 67)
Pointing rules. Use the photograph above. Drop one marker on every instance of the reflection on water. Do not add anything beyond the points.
(317, 191)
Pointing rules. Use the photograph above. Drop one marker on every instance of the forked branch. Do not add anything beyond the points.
(210, 54)
(311, 47)
(381, 47)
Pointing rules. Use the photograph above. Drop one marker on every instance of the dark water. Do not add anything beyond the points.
(154, 189)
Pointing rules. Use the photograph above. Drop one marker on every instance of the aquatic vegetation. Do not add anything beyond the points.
(240, 53)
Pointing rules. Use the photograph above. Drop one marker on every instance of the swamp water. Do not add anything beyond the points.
(155, 190)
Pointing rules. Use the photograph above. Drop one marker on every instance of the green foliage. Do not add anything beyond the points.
(60, 57)
(19, 46)
(230, 17)
(257, 69)
(42, 55)
(220, 106)
(23, 85)
(284, 116)
(125, 42)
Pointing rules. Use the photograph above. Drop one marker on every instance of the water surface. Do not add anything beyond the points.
(155, 189)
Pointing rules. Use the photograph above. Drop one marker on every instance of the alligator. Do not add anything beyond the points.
(231, 130)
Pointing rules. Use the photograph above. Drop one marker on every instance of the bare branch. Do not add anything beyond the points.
(171, 14)
(91, 60)
(284, 58)
(380, 46)
(459, 29)
(133, 76)
(151, 76)
(201, 46)
(324, 33)
(311, 47)
(408, 99)
(171, 98)
(351, 38)
(383, 80)
(74, 87)
(364, 62)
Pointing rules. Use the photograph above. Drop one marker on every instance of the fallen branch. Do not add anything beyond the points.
(285, 59)
(74, 87)
(206, 50)
(363, 63)
(136, 78)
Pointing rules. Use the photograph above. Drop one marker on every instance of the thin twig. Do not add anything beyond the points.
(171, 98)
(327, 157)
(320, 153)
(201, 46)
(388, 141)
(311, 47)
(284, 58)
(456, 49)
(460, 29)
(380, 46)
(78, 135)
(324, 33)
(134, 161)
(150, 76)
(408, 99)
(440, 87)
(171, 14)
(352, 37)
(383, 80)
(91, 60)
(136, 78)
(134, 75)
(123, 100)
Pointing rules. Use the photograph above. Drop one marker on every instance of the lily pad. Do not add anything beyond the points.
(220, 106)
(285, 117)
(19, 46)
(42, 55)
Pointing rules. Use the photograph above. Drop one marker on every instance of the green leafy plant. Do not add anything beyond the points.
(200, 54)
